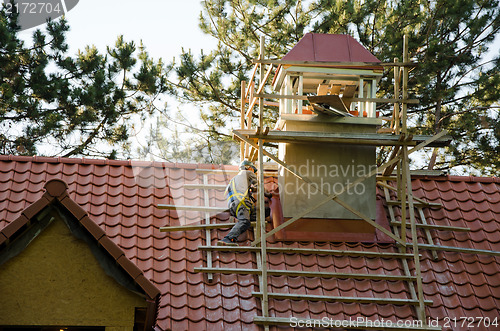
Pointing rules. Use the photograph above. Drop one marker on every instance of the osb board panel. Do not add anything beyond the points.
(57, 280)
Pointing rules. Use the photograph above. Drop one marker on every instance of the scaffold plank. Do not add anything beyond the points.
(366, 254)
(198, 227)
(345, 299)
(192, 208)
(297, 273)
(204, 187)
(369, 139)
(458, 249)
(435, 227)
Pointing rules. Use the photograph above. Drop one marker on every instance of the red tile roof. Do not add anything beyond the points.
(121, 197)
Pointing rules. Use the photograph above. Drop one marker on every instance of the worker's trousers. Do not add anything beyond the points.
(244, 214)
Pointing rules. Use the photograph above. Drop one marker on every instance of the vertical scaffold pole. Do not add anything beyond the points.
(262, 74)
(242, 119)
(395, 116)
(262, 224)
(405, 85)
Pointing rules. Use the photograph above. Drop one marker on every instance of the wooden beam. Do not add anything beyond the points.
(394, 153)
(208, 236)
(299, 297)
(242, 118)
(291, 250)
(204, 187)
(428, 141)
(401, 249)
(404, 87)
(262, 84)
(250, 81)
(217, 171)
(230, 271)
(428, 235)
(337, 63)
(192, 208)
(395, 114)
(458, 249)
(436, 227)
(369, 139)
(304, 97)
(297, 273)
(262, 225)
(414, 235)
(417, 204)
(423, 202)
(198, 227)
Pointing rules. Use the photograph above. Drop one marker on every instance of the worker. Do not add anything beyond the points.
(241, 202)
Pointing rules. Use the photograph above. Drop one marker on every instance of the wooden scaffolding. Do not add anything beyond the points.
(393, 178)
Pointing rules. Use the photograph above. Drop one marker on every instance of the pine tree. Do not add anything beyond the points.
(458, 90)
(74, 104)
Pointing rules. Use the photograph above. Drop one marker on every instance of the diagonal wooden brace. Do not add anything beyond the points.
(334, 196)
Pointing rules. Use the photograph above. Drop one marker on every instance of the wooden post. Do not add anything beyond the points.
(261, 82)
(261, 215)
(403, 192)
(414, 238)
(242, 119)
(428, 233)
(401, 249)
(405, 84)
(207, 231)
(395, 116)
(361, 94)
(300, 92)
(249, 113)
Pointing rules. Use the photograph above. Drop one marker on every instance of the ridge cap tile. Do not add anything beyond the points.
(129, 266)
(3, 238)
(75, 209)
(36, 207)
(113, 249)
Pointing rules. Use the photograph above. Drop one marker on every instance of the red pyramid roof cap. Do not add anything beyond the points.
(321, 47)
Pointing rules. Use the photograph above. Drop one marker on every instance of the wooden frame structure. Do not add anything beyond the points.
(252, 139)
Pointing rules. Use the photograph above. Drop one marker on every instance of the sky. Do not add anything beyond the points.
(164, 26)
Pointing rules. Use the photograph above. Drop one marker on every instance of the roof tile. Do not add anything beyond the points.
(122, 201)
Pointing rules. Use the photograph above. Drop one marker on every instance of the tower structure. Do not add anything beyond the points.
(322, 67)
(327, 132)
